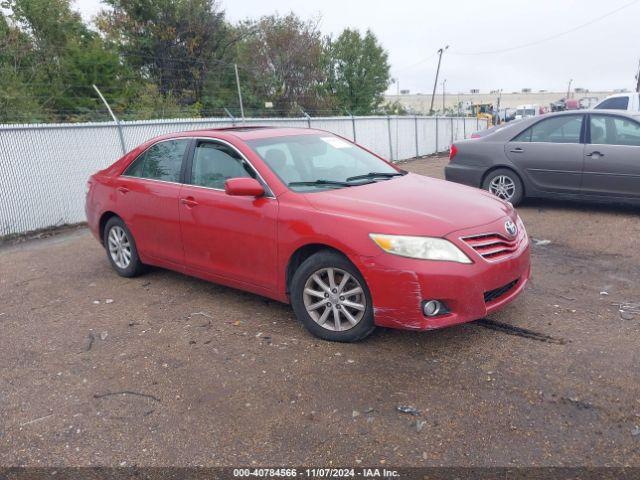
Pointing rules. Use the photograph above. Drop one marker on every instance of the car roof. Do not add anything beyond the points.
(242, 132)
(251, 132)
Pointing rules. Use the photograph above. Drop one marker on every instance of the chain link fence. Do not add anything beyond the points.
(44, 167)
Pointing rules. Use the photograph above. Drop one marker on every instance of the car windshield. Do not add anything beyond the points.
(526, 112)
(314, 162)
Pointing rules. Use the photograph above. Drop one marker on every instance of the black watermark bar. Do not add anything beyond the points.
(374, 472)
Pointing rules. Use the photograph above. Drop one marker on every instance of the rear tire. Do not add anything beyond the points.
(331, 298)
(505, 184)
(121, 249)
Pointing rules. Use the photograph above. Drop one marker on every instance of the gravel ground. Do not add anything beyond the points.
(169, 370)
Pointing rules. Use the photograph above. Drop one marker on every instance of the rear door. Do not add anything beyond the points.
(147, 198)
(228, 236)
(612, 157)
(550, 152)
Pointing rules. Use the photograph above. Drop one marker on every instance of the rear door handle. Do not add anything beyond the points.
(123, 190)
(189, 202)
(595, 154)
(517, 150)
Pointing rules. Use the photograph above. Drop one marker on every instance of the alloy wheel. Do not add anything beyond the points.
(119, 247)
(502, 187)
(334, 299)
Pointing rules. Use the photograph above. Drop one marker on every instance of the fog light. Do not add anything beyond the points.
(432, 308)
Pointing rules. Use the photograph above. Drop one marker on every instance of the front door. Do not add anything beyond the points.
(612, 158)
(550, 152)
(228, 236)
(147, 196)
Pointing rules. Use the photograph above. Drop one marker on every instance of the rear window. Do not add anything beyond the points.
(615, 103)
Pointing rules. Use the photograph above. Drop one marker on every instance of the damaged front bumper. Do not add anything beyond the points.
(399, 286)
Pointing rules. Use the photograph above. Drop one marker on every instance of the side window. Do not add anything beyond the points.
(609, 130)
(162, 161)
(615, 103)
(562, 129)
(214, 163)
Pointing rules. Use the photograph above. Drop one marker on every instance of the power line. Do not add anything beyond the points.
(552, 37)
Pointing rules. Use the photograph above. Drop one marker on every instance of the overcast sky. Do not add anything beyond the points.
(601, 56)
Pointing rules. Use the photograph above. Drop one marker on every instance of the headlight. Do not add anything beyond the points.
(425, 248)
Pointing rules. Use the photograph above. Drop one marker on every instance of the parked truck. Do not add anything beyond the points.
(629, 102)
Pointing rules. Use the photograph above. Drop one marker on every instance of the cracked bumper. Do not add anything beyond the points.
(399, 285)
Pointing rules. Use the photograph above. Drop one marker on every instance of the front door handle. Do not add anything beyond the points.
(189, 202)
(595, 154)
(123, 190)
(517, 150)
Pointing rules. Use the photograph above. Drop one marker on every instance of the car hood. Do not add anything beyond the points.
(413, 205)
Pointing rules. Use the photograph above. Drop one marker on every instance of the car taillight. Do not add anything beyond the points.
(453, 150)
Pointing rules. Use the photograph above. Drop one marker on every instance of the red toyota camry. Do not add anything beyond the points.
(309, 218)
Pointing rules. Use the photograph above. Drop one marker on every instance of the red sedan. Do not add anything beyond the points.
(309, 218)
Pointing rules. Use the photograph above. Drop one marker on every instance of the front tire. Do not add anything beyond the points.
(505, 184)
(331, 299)
(121, 249)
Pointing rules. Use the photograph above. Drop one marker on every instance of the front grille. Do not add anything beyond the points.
(496, 293)
(492, 246)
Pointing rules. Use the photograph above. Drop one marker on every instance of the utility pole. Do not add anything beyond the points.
(235, 66)
(638, 78)
(435, 83)
(444, 83)
(569, 89)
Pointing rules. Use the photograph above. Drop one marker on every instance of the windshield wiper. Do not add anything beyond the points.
(374, 175)
(320, 183)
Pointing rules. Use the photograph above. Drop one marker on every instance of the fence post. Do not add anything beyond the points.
(415, 128)
(308, 118)
(353, 124)
(389, 131)
(233, 119)
(436, 135)
(451, 131)
(115, 119)
(464, 127)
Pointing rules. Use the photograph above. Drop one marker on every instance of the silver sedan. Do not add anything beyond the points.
(588, 154)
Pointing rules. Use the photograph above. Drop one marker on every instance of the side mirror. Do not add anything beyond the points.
(243, 187)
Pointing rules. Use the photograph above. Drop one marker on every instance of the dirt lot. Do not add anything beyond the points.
(169, 370)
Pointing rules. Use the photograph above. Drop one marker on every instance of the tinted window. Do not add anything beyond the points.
(562, 129)
(615, 103)
(214, 163)
(608, 130)
(162, 161)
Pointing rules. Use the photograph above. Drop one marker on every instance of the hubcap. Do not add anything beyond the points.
(334, 299)
(119, 247)
(502, 187)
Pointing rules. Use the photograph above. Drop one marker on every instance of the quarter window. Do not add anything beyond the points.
(609, 130)
(162, 161)
(561, 129)
(214, 163)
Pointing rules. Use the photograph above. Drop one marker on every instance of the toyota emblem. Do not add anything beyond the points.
(511, 228)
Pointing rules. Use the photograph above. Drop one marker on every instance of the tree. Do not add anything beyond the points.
(359, 71)
(54, 59)
(173, 43)
(283, 64)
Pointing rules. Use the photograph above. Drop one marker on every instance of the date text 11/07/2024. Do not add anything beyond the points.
(315, 473)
